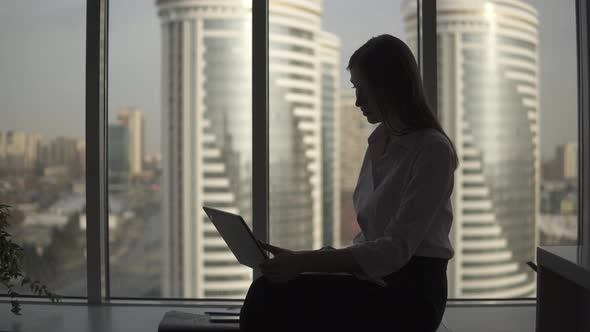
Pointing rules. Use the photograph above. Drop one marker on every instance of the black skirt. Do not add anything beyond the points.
(414, 300)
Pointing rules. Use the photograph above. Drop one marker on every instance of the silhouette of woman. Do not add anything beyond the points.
(395, 272)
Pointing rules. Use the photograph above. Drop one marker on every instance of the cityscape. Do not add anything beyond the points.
(507, 199)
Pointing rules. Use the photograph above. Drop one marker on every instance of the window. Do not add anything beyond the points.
(42, 161)
(312, 116)
(179, 135)
(179, 138)
(507, 96)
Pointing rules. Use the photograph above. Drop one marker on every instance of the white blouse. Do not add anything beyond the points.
(403, 201)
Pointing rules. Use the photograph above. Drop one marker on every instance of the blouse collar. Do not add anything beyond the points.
(381, 134)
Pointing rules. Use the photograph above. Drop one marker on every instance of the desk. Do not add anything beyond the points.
(563, 290)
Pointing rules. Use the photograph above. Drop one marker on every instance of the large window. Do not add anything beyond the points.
(317, 137)
(179, 137)
(507, 96)
(42, 145)
(499, 75)
(179, 134)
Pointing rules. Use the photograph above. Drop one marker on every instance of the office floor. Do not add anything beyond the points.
(145, 318)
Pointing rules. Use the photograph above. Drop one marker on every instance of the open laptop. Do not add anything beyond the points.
(238, 236)
(243, 244)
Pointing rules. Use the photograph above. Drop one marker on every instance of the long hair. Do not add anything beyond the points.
(395, 85)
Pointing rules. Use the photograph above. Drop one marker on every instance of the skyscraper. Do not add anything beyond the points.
(206, 145)
(133, 119)
(118, 148)
(206, 142)
(354, 132)
(60, 151)
(302, 76)
(81, 149)
(488, 105)
(118, 156)
(18, 150)
(566, 161)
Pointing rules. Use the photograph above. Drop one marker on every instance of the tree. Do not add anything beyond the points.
(11, 274)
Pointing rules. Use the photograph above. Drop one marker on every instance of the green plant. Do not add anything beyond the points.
(11, 274)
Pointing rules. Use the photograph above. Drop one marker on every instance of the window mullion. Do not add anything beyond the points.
(260, 150)
(582, 10)
(96, 151)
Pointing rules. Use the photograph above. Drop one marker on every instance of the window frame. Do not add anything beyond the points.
(583, 61)
(97, 248)
(96, 78)
(260, 123)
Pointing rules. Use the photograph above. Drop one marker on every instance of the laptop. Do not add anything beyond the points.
(238, 236)
(243, 244)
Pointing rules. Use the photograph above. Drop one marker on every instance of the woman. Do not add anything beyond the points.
(396, 268)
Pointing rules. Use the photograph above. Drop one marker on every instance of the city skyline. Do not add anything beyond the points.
(206, 149)
(135, 79)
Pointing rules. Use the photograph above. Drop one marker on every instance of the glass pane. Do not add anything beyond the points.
(42, 144)
(508, 99)
(317, 135)
(179, 138)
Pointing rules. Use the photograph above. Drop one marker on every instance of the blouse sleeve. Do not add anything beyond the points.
(429, 187)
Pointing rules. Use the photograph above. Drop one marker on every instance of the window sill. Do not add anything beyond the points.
(146, 315)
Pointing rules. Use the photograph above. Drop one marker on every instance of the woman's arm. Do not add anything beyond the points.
(287, 264)
(336, 260)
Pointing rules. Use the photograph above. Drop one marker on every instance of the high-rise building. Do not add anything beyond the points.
(329, 54)
(206, 144)
(354, 132)
(566, 161)
(18, 150)
(133, 119)
(488, 104)
(303, 74)
(118, 156)
(59, 151)
(118, 148)
(81, 148)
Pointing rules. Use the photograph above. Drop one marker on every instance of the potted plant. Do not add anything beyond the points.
(11, 274)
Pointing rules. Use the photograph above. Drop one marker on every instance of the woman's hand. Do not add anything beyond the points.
(283, 267)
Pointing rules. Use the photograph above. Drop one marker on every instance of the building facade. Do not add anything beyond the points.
(566, 161)
(18, 150)
(133, 119)
(118, 156)
(60, 151)
(118, 148)
(488, 104)
(206, 144)
(304, 76)
(206, 153)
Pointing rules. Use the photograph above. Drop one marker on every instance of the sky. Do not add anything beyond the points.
(42, 50)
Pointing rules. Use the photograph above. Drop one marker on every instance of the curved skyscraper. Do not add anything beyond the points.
(488, 104)
(206, 134)
(304, 78)
(206, 141)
